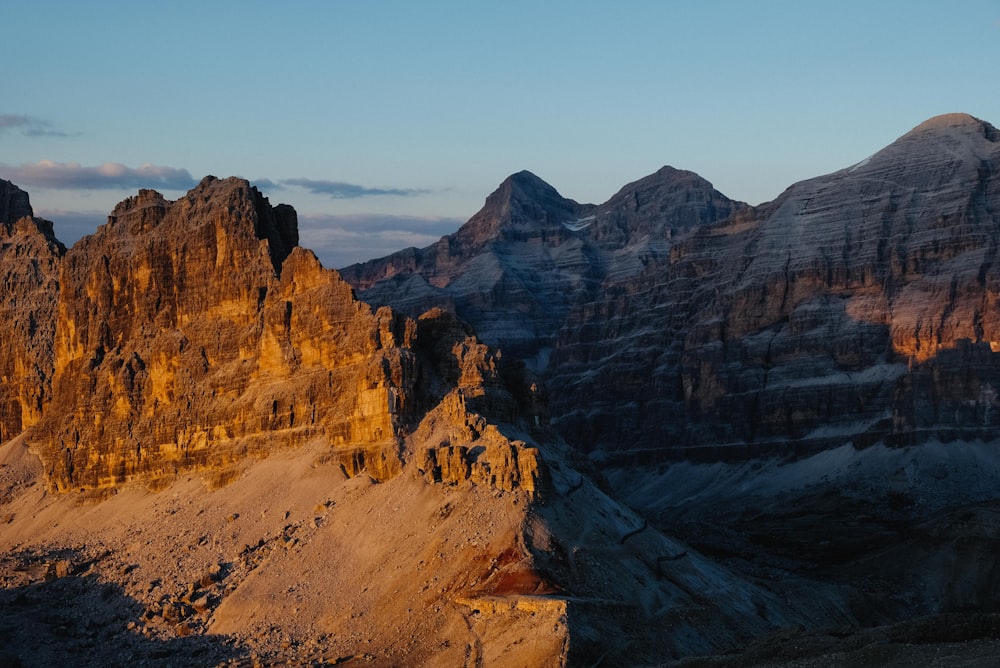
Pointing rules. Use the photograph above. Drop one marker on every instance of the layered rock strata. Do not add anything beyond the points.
(671, 322)
(189, 335)
(518, 267)
(194, 335)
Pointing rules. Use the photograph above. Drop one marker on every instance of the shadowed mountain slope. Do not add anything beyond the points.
(670, 322)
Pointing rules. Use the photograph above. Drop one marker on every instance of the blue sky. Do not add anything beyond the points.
(386, 124)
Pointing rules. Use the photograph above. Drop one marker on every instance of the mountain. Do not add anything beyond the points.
(799, 389)
(671, 322)
(214, 452)
(631, 433)
(534, 254)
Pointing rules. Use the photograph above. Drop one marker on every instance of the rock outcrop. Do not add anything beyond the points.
(29, 285)
(190, 334)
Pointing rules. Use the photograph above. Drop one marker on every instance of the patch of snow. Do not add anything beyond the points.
(579, 223)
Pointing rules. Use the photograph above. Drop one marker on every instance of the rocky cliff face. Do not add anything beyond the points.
(855, 306)
(29, 266)
(672, 322)
(193, 334)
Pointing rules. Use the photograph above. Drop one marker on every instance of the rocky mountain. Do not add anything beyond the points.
(672, 323)
(622, 434)
(215, 453)
(799, 388)
(535, 255)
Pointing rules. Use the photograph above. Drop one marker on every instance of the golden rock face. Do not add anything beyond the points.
(193, 335)
(178, 345)
(29, 270)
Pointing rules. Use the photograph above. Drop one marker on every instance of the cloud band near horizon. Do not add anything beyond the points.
(114, 175)
(108, 176)
(342, 190)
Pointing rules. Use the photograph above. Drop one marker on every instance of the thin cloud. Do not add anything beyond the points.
(266, 184)
(109, 176)
(341, 190)
(341, 240)
(28, 126)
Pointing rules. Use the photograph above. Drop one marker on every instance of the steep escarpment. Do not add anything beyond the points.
(858, 305)
(29, 277)
(179, 346)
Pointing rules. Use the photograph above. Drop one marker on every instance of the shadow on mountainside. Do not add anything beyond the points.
(953, 639)
(56, 610)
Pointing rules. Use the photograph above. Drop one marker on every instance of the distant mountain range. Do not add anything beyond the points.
(671, 322)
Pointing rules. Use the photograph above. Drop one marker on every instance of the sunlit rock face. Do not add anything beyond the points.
(29, 285)
(194, 336)
(191, 334)
(671, 321)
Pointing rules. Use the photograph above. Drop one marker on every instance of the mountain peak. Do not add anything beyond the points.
(527, 178)
(14, 203)
(666, 179)
(521, 199)
(523, 185)
(960, 123)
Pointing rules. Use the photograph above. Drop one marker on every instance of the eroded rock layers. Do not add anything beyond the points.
(29, 283)
(858, 306)
(190, 335)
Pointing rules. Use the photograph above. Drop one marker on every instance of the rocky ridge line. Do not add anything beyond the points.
(670, 322)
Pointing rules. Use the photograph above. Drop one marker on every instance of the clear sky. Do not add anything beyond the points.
(386, 124)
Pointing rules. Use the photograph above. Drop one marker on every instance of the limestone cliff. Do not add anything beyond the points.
(858, 305)
(29, 266)
(191, 334)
